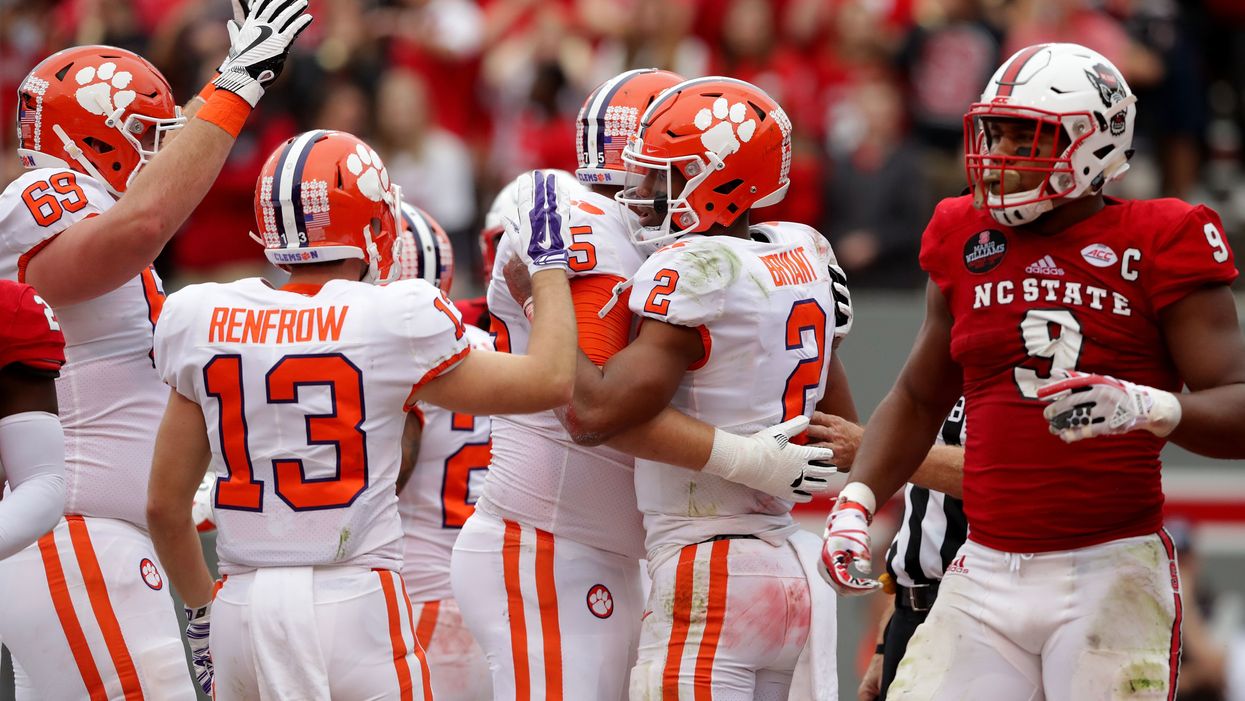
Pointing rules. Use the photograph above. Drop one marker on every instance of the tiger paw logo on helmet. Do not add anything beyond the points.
(365, 164)
(97, 94)
(724, 137)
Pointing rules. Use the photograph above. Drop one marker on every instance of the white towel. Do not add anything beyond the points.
(284, 636)
(816, 673)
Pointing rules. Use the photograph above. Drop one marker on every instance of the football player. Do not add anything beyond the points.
(554, 543)
(32, 443)
(87, 613)
(445, 457)
(739, 321)
(296, 397)
(1041, 288)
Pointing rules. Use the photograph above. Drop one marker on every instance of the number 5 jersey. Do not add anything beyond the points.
(1089, 298)
(303, 394)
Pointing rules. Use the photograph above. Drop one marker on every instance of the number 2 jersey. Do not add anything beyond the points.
(1088, 298)
(110, 397)
(766, 315)
(539, 476)
(303, 397)
(454, 452)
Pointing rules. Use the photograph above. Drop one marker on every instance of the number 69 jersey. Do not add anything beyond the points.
(766, 314)
(1088, 298)
(303, 398)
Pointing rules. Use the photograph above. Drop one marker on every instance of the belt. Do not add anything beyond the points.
(730, 536)
(919, 598)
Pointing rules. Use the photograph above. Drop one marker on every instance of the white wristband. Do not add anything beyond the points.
(1165, 414)
(723, 459)
(860, 493)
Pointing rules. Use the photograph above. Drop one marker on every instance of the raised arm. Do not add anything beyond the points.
(99, 254)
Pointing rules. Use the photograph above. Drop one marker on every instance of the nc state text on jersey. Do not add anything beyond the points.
(234, 325)
(790, 267)
(1050, 290)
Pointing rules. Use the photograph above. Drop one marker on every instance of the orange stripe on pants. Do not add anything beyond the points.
(683, 583)
(427, 623)
(714, 615)
(395, 635)
(547, 598)
(425, 674)
(69, 620)
(514, 606)
(101, 606)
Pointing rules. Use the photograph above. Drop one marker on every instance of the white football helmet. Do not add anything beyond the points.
(1065, 87)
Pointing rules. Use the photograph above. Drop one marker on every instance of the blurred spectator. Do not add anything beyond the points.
(877, 202)
(431, 165)
(947, 59)
(1203, 660)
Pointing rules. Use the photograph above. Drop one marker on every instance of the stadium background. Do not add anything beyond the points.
(459, 96)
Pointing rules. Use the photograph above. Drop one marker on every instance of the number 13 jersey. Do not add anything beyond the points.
(766, 315)
(1090, 299)
(303, 398)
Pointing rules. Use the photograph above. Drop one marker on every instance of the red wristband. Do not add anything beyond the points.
(226, 110)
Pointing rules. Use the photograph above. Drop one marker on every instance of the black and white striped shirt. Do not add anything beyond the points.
(933, 526)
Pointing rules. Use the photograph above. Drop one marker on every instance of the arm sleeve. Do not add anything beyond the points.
(685, 285)
(600, 337)
(31, 334)
(32, 450)
(1194, 254)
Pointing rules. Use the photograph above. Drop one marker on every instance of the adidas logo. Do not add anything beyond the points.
(957, 566)
(1045, 266)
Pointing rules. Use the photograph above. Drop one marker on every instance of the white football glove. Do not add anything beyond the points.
(259, 45)
(846, 541)
(541, 218)
(1083, 406)
(768, 461)
(202, 510)
(198, 628)
(843, 312)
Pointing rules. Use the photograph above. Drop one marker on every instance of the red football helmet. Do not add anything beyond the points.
(99, 110)
(426, 251)
(727, 140)
(325, 195)
(609, 117)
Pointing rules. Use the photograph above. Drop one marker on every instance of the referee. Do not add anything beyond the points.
(932, 529)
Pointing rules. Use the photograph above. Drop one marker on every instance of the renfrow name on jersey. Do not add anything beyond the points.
(237, 325)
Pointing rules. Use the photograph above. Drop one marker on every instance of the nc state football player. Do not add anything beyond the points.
(738, 323)
(32, 444)
(1043, 289)
(104, 191)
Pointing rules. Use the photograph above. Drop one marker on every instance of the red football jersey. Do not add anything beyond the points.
(1085, 299)
(29, 332)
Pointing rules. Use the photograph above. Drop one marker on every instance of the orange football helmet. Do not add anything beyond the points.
(99, 110)
(609, 117)
(324, 196)
(426, 251)
(707, 150)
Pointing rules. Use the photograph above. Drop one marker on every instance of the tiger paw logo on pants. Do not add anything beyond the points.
(724, 127)
(600, 601)
(103, 89)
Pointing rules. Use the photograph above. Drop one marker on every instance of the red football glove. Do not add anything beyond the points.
(847, 541)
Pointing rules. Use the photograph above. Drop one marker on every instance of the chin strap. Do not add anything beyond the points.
(76, 153)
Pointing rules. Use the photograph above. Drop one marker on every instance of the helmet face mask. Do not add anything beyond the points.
(1081, 112)
(647, 200)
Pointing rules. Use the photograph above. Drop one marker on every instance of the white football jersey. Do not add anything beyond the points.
(454, 452)
(539, 477)
(765, 310)
(303, 396)
(110, 397)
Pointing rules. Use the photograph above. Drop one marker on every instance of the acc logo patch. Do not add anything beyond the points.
(151, 575)
(1099, 255)
(984, 251)
(600, 601)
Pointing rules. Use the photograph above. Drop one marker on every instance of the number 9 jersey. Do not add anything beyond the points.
(1089, 298)
(303, 393)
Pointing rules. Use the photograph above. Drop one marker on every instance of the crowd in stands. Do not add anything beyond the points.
(461, 95)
